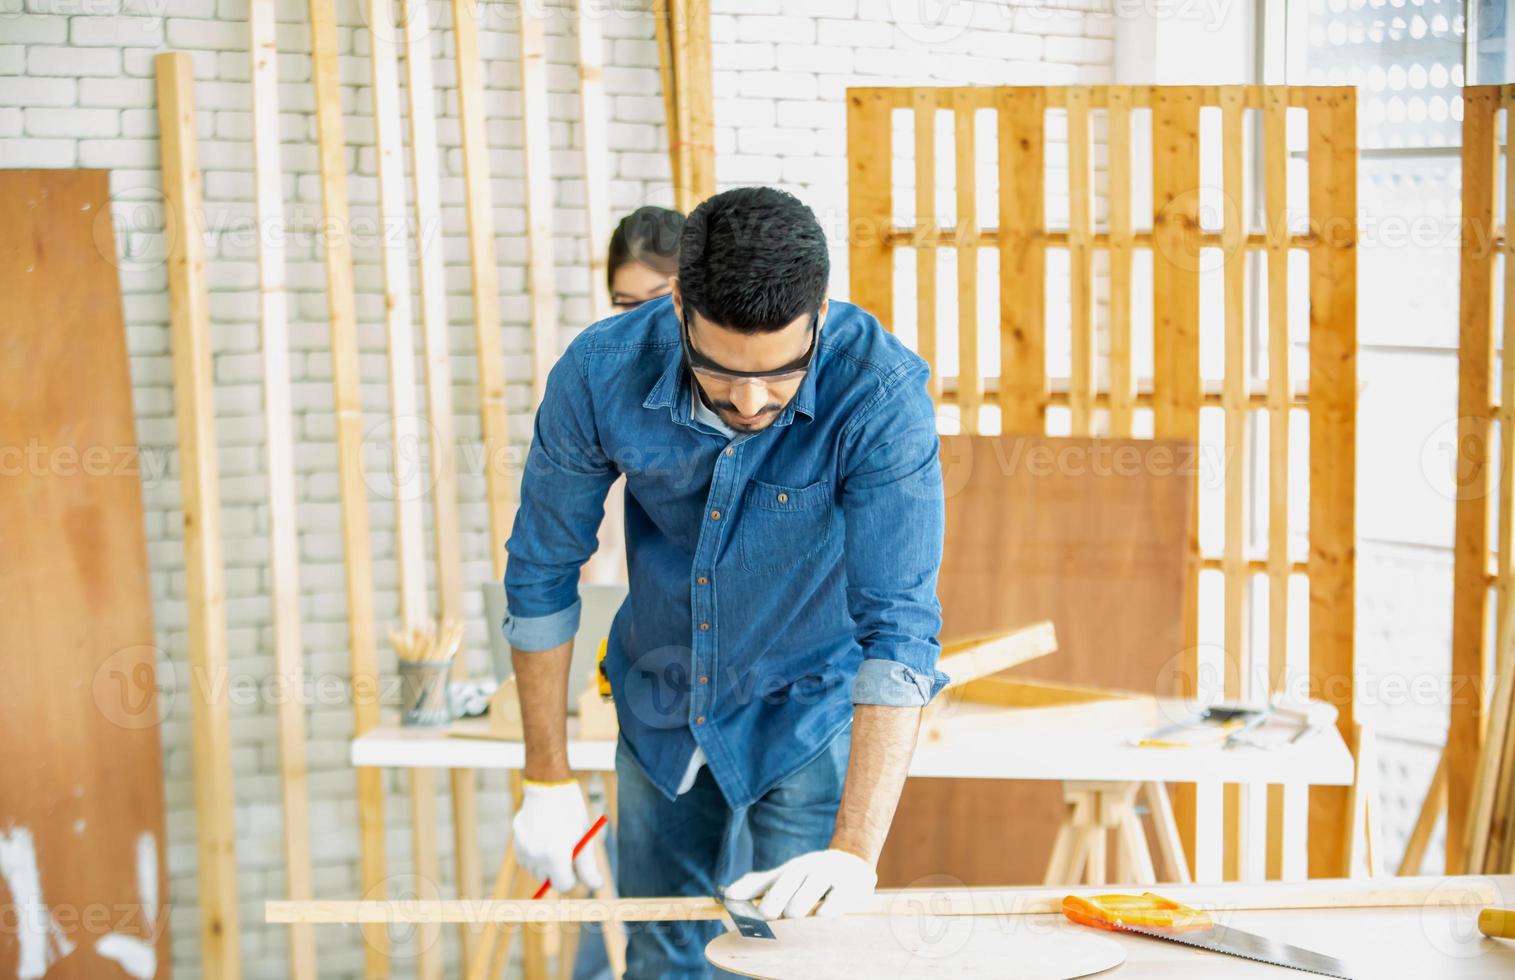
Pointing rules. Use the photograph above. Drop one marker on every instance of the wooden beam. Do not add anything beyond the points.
(1431, 809)
(1333, 445)
(1022, 261)
(971, 660)
(698, 92)
(357, 554)
(484, 278)
(283, 534)
(869, 207)
(926, 341)
(204, 568)
(1081, 266)
(536, 149)
(1175, 339)
(1122, 375)
(969, 372)
(1470, 592)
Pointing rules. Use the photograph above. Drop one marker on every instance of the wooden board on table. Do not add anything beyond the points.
(82, 792)
(1088, 533)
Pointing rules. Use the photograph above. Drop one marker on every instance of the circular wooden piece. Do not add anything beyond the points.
(905, 946)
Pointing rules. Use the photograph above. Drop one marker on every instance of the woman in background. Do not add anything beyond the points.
(643, 256)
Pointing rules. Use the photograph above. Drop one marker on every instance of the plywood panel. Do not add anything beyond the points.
(1089, 533)
(82, 789)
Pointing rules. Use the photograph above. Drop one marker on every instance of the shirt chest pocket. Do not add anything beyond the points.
(783, 525)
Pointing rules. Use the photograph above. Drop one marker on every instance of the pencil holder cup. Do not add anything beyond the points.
(423, 693)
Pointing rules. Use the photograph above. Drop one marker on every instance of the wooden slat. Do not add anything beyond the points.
(925, 222)
(1470, 592)
(204, 568)
(1499, 738)
(346, 379)
(1023, 263)
(596, 155)
(1122, 373)
(870, 260)
(536, 149)
(1060, 238)
(970, 371)
(1239, 828)
(663, 33)
(1081, 266)
(698, 92)
(283, 534)
(446, 526)
(1431, 809)
(1056, 96)
(499, 484)
(1275, 151)
(683, 174)
(1176, 381)
(1333, 442)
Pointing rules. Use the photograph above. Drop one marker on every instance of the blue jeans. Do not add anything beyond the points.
(690, 847)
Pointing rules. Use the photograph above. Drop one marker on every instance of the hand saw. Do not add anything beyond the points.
(1153, 915)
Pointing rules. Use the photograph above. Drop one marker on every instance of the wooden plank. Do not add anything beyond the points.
(1238, 829)
(1122, 374)
(1023, 262)
(283, 534)
(970, 375)
(81, 798)
(1431, 809)
(1467, 814)
(1176, 384)
(1333, 442)
(970, 661)
(536, 151)
(596, 156)
(1081, 266)
(357, 558)
(1323, 894)
(1499, 738)
(204, 568)
(446, 526)
(698, 92)
(925, 223)
(1275, 151)
(869, 206)
(663, 33)
(1056, 96)
(683, 175)
(484, 278)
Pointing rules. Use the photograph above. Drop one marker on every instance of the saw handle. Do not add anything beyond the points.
(1146, 911)
(1497, 923)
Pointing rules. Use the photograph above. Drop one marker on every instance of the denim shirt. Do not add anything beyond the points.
(776, 578)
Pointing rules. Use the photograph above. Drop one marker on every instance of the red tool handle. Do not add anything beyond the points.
(578, 848)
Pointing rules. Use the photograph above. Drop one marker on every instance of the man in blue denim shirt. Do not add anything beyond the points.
(783, 531)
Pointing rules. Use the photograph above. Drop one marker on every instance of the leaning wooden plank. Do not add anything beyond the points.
(1333, 443)
(1328, 893)
(484, 277)
(1480, 165)
(970, 376)
(446, 526)
(698, 93)
(536, 142)
(1175, 340)
(357, 556)
(1239, 828)
(1122, 376)
(205, 572)
(283, 535)
(1282, 800)
(972, 659)
(1081, 268)
(499, 485)
(596, 153)
(1009, 692)
(1022, 262)
(924, 104)
(1434, 805)
(869, 205)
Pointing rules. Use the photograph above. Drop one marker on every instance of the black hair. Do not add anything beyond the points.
(649, 235)
(753, 259)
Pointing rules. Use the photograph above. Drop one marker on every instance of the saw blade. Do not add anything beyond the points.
(1235, 942)
(747, 919)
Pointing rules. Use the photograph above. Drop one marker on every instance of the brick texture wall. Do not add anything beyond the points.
(76, 90)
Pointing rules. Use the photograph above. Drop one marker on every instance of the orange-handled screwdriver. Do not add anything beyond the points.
(578, 848)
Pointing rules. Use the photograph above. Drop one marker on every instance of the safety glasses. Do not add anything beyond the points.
(707, 369)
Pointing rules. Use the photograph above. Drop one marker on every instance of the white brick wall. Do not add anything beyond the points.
(76, 89)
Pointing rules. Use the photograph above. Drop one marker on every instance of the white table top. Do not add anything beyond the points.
(1068, 742)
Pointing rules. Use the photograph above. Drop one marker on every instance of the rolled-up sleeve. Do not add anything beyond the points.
(893, 507)
(563, 489)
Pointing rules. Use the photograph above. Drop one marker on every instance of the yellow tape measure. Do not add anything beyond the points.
(599, 670)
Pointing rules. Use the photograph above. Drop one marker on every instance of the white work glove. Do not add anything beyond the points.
(791, 890)
(550, 822)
